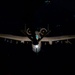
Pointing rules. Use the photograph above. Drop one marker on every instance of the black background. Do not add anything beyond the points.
(19, 58)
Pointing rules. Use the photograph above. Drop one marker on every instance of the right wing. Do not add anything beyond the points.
(57, 38)
(12, 37)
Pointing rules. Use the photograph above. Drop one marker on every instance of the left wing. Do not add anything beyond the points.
(58, 38)
(12, 37)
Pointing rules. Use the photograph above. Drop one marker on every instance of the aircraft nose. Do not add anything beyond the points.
(36, 48)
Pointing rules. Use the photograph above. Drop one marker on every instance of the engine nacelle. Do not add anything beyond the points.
(50, 42)
(28, 31)
(43, 31)
(22, 41)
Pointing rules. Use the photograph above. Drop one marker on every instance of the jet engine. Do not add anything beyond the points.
(43, 31)
(28, 31)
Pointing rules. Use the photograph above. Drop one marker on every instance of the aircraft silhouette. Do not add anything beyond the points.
(36, 37)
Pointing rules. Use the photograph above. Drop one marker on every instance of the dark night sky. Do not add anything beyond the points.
(13, 15)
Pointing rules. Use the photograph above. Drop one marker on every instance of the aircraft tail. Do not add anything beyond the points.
(30, 34)
(26, 33)
(48, 31)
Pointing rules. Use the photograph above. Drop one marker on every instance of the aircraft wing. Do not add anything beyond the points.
(58, 38)
(12, 37)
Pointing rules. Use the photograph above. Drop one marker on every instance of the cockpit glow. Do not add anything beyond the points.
(37, 37)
